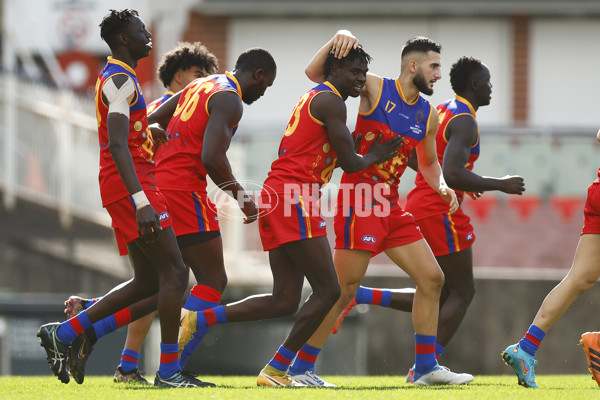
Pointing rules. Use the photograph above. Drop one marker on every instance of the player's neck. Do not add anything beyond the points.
(409, 90)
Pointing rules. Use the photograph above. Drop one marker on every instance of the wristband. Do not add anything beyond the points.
(140, 200)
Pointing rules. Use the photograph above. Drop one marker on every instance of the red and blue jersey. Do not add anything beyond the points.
(422, 200)
(391, 115)
(179, 164)
(306, 156)
(139, 142)
(154, 105)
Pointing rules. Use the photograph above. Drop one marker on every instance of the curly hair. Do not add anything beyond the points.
(331, 60)
(462, 71)
(184, 56)
(115, 23)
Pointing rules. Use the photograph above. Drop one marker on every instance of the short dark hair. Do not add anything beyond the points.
(420, 44)
(331, 60)
(115, 23)
(184, 56)
(255, 58)
(462, 71)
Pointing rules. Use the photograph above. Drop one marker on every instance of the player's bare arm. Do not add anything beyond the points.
(340, 44)
(331, 109)
(159, 119)
(118, 94)
(430, 167)
(225, 109)
(462, 136)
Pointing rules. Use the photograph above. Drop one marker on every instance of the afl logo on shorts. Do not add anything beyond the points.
(368, 239)
(164, 216)
(469, 236)
(322, 224)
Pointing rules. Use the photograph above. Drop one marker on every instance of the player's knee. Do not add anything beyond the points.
(286, 308)
(584, 284)
(332, 295)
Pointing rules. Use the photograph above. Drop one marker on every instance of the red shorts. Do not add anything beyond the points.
(447, 233)
(124, 219)
(192, 212)
(282, 221)
(375, 233)
(591, 211)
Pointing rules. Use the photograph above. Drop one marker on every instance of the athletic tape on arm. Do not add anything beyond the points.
(118, 98)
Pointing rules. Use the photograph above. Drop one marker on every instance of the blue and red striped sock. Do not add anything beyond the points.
(532, 340)
(305, 360)
(129, 360)
(425, 360)
(380, 297)
(439, 350)
(112, 323)
(201, 298)
(282, 359)
(70, 329)
(169, 360)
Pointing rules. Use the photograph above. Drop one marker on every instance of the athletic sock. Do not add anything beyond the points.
(112, 323)
(380, 297)
(129, 360)
(70, 329)
(282, 359)
(169, 360)
(91, 302)
(305, 360)
(439, 350)
(425, 360)
(201, 298)
(532, 340)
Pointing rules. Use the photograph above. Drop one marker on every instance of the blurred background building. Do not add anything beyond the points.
(55, 238)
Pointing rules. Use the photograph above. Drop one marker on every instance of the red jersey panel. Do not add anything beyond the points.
(391, 116)
(422, 201)
(179, 164)
(306, 156)
(139, 142)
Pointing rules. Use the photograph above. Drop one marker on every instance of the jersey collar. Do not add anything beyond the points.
(399, 88)
(328, 84)
(460, 98)
(237, 84)
(121, 63)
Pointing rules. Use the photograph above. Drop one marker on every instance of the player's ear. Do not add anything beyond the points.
(259, 74)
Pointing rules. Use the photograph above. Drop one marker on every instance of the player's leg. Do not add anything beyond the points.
(350, 266)
(458, 291)
(584, 272)
(203, 253)
(128, 368)
(313, 258)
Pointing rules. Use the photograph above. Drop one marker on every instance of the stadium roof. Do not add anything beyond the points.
(399, 7)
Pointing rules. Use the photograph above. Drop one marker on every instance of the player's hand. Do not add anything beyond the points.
(387, 150)
(513, 184)
(450, 196)
(343, 42)
(159, 136)
(148, 224)
(474, 195)
(250, 210)
(357, 142)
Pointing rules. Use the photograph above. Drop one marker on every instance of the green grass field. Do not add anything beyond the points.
(350, 387)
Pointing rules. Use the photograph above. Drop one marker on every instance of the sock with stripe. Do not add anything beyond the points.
(112, 323)
(439, 350)
(305, 360)
(201, 298)
(169, 360)
(425, 360)
(91, 302)
(532, 340)
(380, 297)
(282, 359)
(70, 329)
(129, 360)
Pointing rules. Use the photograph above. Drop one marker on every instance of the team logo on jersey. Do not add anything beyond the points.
(164, 216)
(419, 116)
(322, 224)
(368, 239)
